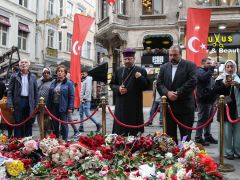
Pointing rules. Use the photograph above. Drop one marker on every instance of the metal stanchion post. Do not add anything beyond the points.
(223, 167)
(164, 113)
(104, 128)
(41, 117)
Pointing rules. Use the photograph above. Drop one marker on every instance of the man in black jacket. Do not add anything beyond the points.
(177, 81)
(205, 100)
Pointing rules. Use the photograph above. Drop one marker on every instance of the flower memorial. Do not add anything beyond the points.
(110, 157)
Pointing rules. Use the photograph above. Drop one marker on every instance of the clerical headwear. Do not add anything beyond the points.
(129, 52)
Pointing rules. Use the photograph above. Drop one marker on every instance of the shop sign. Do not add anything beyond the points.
(52, 52)
(154, 60)
(224, 42)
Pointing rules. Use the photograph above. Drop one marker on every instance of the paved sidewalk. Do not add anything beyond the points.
(212, 149)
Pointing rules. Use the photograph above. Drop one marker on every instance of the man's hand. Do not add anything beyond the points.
(137, 75)
(172, 95)
(70, 110)
(122, 90)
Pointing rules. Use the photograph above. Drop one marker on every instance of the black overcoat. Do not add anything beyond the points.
(129, 106)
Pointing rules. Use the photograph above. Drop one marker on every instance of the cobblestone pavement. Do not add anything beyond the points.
(212, 149)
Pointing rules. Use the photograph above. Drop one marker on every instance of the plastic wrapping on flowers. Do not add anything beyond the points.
(110, 157)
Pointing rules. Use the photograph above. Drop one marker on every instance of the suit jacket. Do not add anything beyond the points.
(14, 91)
(184, 83)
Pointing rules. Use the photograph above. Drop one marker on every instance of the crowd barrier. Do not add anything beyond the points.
(42, 109)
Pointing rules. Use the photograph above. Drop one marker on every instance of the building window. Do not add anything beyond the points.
(22, 40)
(3, 35)
(69, 42)
(152, 7)
(50, 7)
(220, 2)
(88, 49)
(69, 9)
(50, 38)
(122, 7)
(103, 9)
(60, 7)
(80, 8)
(60, 40)
(23, 3)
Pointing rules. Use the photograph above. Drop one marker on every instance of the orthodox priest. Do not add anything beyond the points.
(127, 84)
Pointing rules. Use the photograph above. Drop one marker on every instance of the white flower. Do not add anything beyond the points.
(181, 174)
(130, 139)
(147, 171)
(110, 138)
(189, 154)
(76, 158)
(2, 172)
(168, 155)
(179, 165)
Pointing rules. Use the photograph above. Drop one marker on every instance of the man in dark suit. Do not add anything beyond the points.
(177, 81)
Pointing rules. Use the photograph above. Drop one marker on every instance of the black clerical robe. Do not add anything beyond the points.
(129, 106)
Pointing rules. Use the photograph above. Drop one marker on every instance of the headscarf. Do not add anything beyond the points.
(224, 74)
(235, 78)
(46, 69)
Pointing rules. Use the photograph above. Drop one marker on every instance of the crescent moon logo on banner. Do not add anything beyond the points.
(190, 44)
(76, 48)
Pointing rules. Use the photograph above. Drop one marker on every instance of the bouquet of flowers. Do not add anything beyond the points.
(111, 157)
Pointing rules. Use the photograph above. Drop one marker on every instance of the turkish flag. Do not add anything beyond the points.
(80, 28)
(198, 21)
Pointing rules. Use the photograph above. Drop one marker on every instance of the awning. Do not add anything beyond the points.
(23, 27)
(4, 20)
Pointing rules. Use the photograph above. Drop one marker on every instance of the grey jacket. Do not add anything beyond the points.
(43, 88)
(15, 87)
(86, 89)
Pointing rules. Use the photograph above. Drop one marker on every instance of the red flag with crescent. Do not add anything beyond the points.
(81, 27)
(198, 21)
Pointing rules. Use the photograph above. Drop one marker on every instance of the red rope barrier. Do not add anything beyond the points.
(190, 128)
(23, 122)
(229, 116)
(132, 126)
(77, 122)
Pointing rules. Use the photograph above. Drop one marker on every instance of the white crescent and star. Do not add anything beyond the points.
(190, 44)
(76, 48)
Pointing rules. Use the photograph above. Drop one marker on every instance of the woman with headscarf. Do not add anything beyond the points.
(61, 100)
(227, 84)
(43, 85)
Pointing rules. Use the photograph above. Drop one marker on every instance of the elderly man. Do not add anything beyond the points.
(22, 97)
(177, 81)
(128, 83)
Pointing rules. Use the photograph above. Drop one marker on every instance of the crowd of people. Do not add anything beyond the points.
(24, 91)
(178, 80)
(185, 86)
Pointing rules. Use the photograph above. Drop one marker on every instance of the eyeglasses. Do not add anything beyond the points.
(46, 73)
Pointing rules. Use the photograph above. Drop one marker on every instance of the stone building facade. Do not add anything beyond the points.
(152, 26)
(35, 27)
